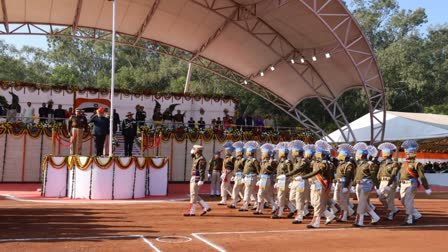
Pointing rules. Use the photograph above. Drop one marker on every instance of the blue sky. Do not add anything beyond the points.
(435, 10)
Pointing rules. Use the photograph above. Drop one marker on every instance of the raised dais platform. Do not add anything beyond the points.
(82, 177)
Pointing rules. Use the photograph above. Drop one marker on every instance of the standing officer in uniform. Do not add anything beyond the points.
(237, 173)
(129, 131)
(387, 178)
(364, 184)
(296, 149)
(227, 170)
(301, 167)
(344, 175)
(284, 167)
(197, 179)
(77, 124)
(214, 174)
(373, 159)
(410, 172)
(100, 130)
(250, 173)
(320, 182)
(267, 173)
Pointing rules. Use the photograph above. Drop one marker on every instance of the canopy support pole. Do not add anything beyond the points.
(187, 81)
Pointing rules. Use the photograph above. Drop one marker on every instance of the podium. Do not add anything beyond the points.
(106, 178)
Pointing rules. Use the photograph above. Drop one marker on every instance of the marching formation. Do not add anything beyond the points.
(300, 177)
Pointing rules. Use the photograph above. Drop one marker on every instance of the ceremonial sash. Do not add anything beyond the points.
(322, 181)
(411, 173)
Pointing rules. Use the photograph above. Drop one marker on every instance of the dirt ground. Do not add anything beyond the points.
(160, 226)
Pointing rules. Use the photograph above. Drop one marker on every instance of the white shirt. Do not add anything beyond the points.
(28, 112)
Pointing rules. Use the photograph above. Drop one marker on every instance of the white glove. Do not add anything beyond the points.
(223, 176)
(209, 175)
(344, 190)
(192, 151)
(258, 183)
(352, 189)
(428, 191)
(298, 178)
(232, 178)
(386, 188)
(398, 189)
(275, 185)
(378, 192)
(200, 183)
(290, 185)
(281, 177)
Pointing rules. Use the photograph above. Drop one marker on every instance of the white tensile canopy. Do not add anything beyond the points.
(283, 50)
(401, 126)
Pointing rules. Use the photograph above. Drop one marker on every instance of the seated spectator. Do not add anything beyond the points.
(268, 123)
(50, 111)
(240, 122)
(191, 123)
(179, 119)
(11, 114)
(43, 113)
(249, 123)
(213, 124)
(201, 123)
(59, 115)
(28, 114)
(69, 112)
(259, 124)
(219, 123)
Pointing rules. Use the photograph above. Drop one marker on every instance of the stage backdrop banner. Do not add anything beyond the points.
(105, 178)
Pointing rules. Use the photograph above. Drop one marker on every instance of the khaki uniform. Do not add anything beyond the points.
(364, 180)
(410, 172)
(250, 173)
(284, 167)
(214, 169)
(76, 126)
(300, 190)
(386, 177)
(265, 188)
(238, 185)
(319, 191)
(344, 174)
(197, 174)
(226, 187)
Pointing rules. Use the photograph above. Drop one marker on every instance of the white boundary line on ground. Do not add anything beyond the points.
(83, 238)
(206, 241)
(200, 235)
(150, 244)
(118, 202)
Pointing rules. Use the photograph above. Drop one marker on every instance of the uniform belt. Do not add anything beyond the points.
(338, 181)
(216, 170)
(405, 181)
(359, 182)
(385, 178)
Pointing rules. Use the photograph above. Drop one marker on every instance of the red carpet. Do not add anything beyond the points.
(32, 191)
(175, 191)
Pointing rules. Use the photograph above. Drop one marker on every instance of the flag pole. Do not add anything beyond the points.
(112, 83)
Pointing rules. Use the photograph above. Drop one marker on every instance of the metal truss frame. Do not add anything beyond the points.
(168, 50)
(246, 18)
(362, 59)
